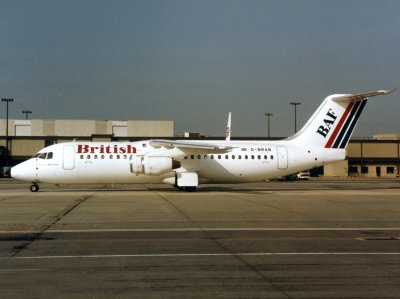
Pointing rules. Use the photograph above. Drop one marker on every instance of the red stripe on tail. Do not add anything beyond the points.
(339, 126)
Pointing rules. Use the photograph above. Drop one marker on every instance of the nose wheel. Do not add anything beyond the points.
(34, 188)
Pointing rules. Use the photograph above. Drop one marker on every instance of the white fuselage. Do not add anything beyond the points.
(101, 162)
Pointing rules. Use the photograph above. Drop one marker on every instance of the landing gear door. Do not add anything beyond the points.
(69, 157)
(282, 157)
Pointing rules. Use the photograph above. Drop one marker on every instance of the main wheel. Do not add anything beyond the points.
(34, 188)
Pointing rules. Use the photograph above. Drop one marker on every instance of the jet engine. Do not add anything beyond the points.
(153, 165)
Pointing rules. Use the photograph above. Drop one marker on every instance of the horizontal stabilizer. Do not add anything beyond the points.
(360, 96)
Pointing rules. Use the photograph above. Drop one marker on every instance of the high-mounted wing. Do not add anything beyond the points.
(189, 145)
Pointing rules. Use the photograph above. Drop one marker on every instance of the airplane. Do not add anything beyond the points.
(187, 163)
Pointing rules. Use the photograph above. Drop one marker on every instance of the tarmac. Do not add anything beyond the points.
(305, 239)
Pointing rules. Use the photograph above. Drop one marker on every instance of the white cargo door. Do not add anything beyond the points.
(69, 157)
(282, 157)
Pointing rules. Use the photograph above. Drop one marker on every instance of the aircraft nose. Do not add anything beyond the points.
(14, 172)
(21, 172)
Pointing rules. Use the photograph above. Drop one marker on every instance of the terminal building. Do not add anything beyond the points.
(378, 156)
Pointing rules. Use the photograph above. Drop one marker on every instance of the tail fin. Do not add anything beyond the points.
(228, 128)
(332, 125)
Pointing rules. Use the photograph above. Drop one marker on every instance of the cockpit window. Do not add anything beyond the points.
(47, 156)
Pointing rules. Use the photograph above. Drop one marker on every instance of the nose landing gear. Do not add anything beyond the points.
(34, 187)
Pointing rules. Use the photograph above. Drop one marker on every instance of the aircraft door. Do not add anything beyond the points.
(69, 157)
(282, 157)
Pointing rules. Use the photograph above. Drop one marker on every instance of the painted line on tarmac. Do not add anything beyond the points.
(21, 270)
(206, 229)
(161, 255)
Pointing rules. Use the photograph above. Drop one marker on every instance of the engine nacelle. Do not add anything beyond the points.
(153, 165)
(156, 165)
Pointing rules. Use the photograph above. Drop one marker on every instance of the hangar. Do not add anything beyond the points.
(378, 156)
(26, 137)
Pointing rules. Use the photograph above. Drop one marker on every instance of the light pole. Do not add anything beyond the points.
(7, 101)
(26, 112)
(295, 114)
(268, 115)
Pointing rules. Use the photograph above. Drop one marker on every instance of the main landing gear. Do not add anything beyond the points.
(186, 181)
(34, 187)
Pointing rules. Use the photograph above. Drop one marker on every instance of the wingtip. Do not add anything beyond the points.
(384, 91)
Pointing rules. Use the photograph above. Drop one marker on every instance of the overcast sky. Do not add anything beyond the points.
(194, 61)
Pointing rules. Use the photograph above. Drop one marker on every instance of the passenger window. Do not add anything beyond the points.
(246, 157)
(265, 157)
(102, 156)
(95, 156)
(185, 158)
(233, 157)
(88, 156)
(192, 157)
(205, 157)
(239, 157)
(81, 157)
(219, 157)
(272, 157)
(212, 157)
(111, 156)
(118, 156)
(125, 157)
(259, 157)
(226, 157)
(199, 157)
(252, 157)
